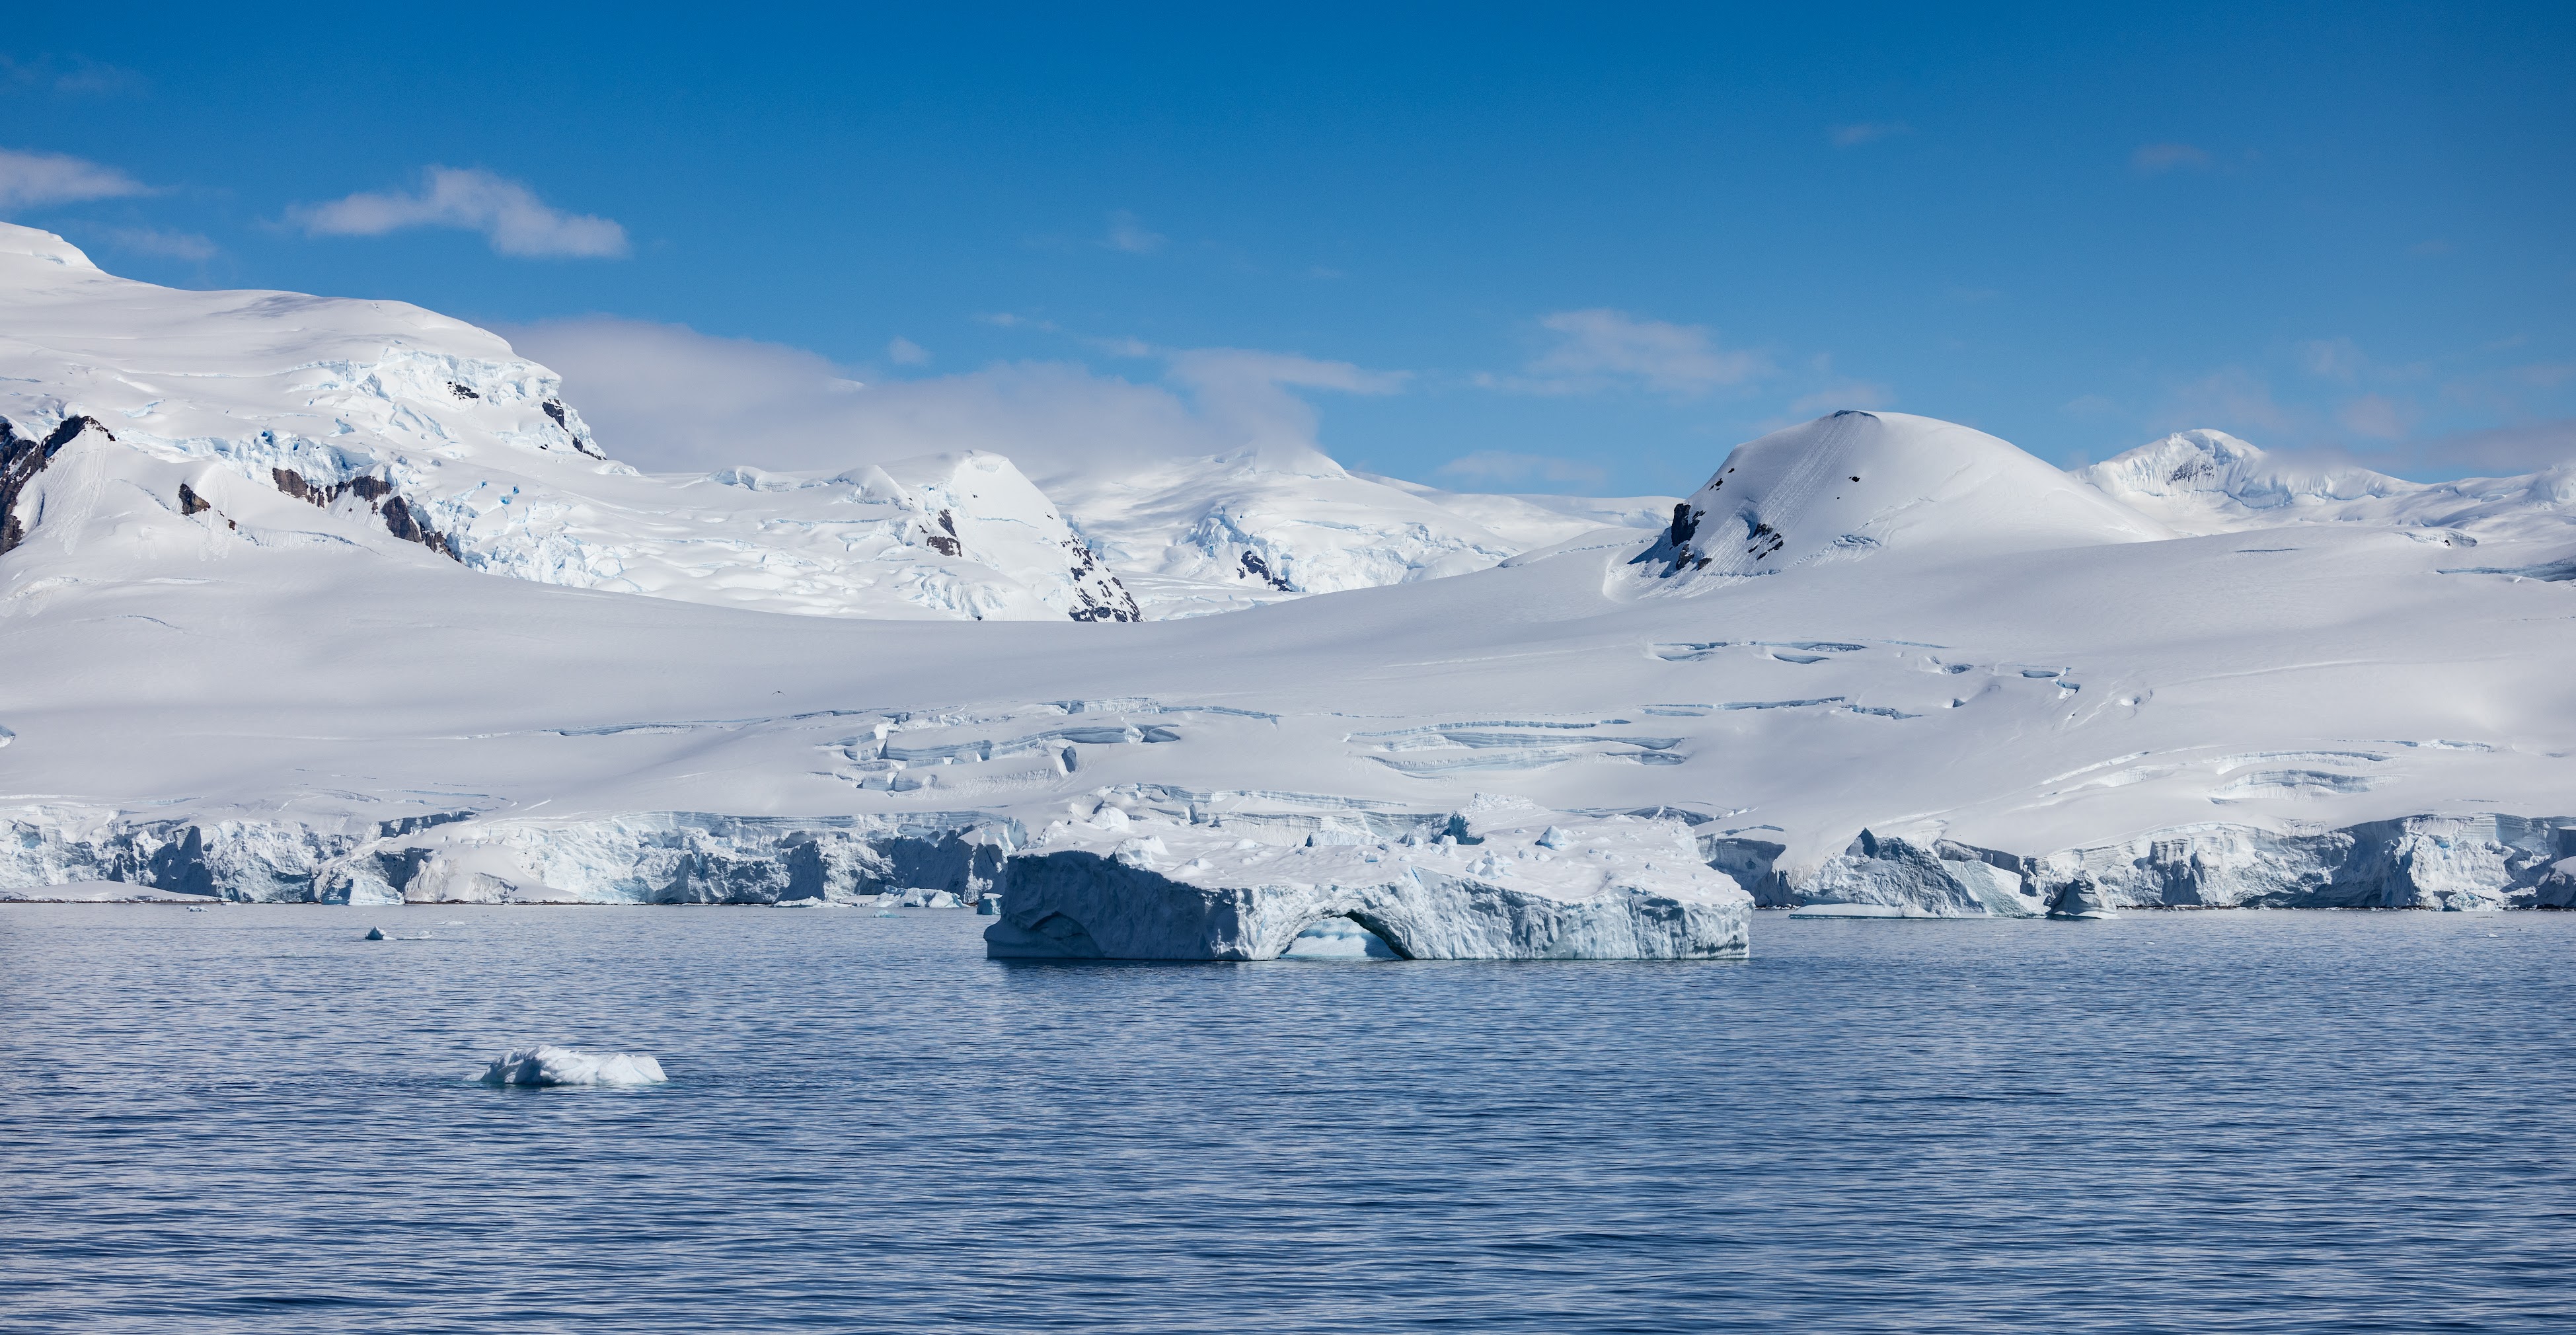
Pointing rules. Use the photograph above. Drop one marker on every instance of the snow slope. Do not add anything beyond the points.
(269, 699)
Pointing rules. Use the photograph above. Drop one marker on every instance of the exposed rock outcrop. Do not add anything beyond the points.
(22, 458)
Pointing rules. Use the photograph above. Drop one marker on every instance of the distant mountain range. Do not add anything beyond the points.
(251, 645)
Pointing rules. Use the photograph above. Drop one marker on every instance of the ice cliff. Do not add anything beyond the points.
(1619, 888)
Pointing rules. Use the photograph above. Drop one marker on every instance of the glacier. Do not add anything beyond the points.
(1879, 665)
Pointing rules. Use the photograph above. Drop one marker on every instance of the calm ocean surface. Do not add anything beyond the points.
(249, 1119)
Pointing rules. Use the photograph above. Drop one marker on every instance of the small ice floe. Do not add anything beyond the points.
(546, 1064)
(198, 909)
(374, 934)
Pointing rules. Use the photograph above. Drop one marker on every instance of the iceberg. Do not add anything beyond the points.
(1624, 887)
(547, 1064)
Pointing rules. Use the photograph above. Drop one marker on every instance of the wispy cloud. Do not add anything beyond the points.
(1835, 398)
(905, 352)
(2157, 159)
(158, 241)
(2376, 416)
(507, 213)
(76, 74)
(34, 180)
(2336, 359)
(1128, 234)
(2232, 399)
(1867, 132)
(2503, 450)
(1601, 349)
(667, 397)
(1493, 468)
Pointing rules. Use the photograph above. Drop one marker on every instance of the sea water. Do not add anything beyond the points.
(250, 1119)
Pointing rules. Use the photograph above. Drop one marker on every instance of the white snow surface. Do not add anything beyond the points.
(546, 1064)
(1968, 654)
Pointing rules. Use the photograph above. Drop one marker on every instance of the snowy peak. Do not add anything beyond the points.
(2203, 465)
(226, 420)
(1194, 536)
(981, 507)
(33, 250)
(2205, 481)
(1857, 483)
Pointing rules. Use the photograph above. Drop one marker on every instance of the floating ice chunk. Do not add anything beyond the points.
(1862, 911)
(374, 934)
(2081, 900)
(1555, 837)
(1076, 894)
(546, 1064)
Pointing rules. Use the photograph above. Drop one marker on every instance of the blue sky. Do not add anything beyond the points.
(1531, 249)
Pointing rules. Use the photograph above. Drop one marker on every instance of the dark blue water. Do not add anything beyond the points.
(249, 1119)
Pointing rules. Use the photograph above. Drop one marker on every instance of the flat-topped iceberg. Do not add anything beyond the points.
(546, 1064)
(1620, 887)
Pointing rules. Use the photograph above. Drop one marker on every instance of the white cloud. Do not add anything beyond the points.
(1129, 235)
(158, 241)
(508, 214)
(1868, 132)
(1492, 468)
(2157, 159)
(905, 352)
(666, 397)
(33, 180)
(1600, 348)
(2336, 359)
(1244, 395)
(2376, 416)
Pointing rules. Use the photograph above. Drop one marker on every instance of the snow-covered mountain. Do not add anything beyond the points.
(1880, 664)
(398, 422)
(1854, 485)
(390, 428)
(2211, 482)
(1193, 536)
